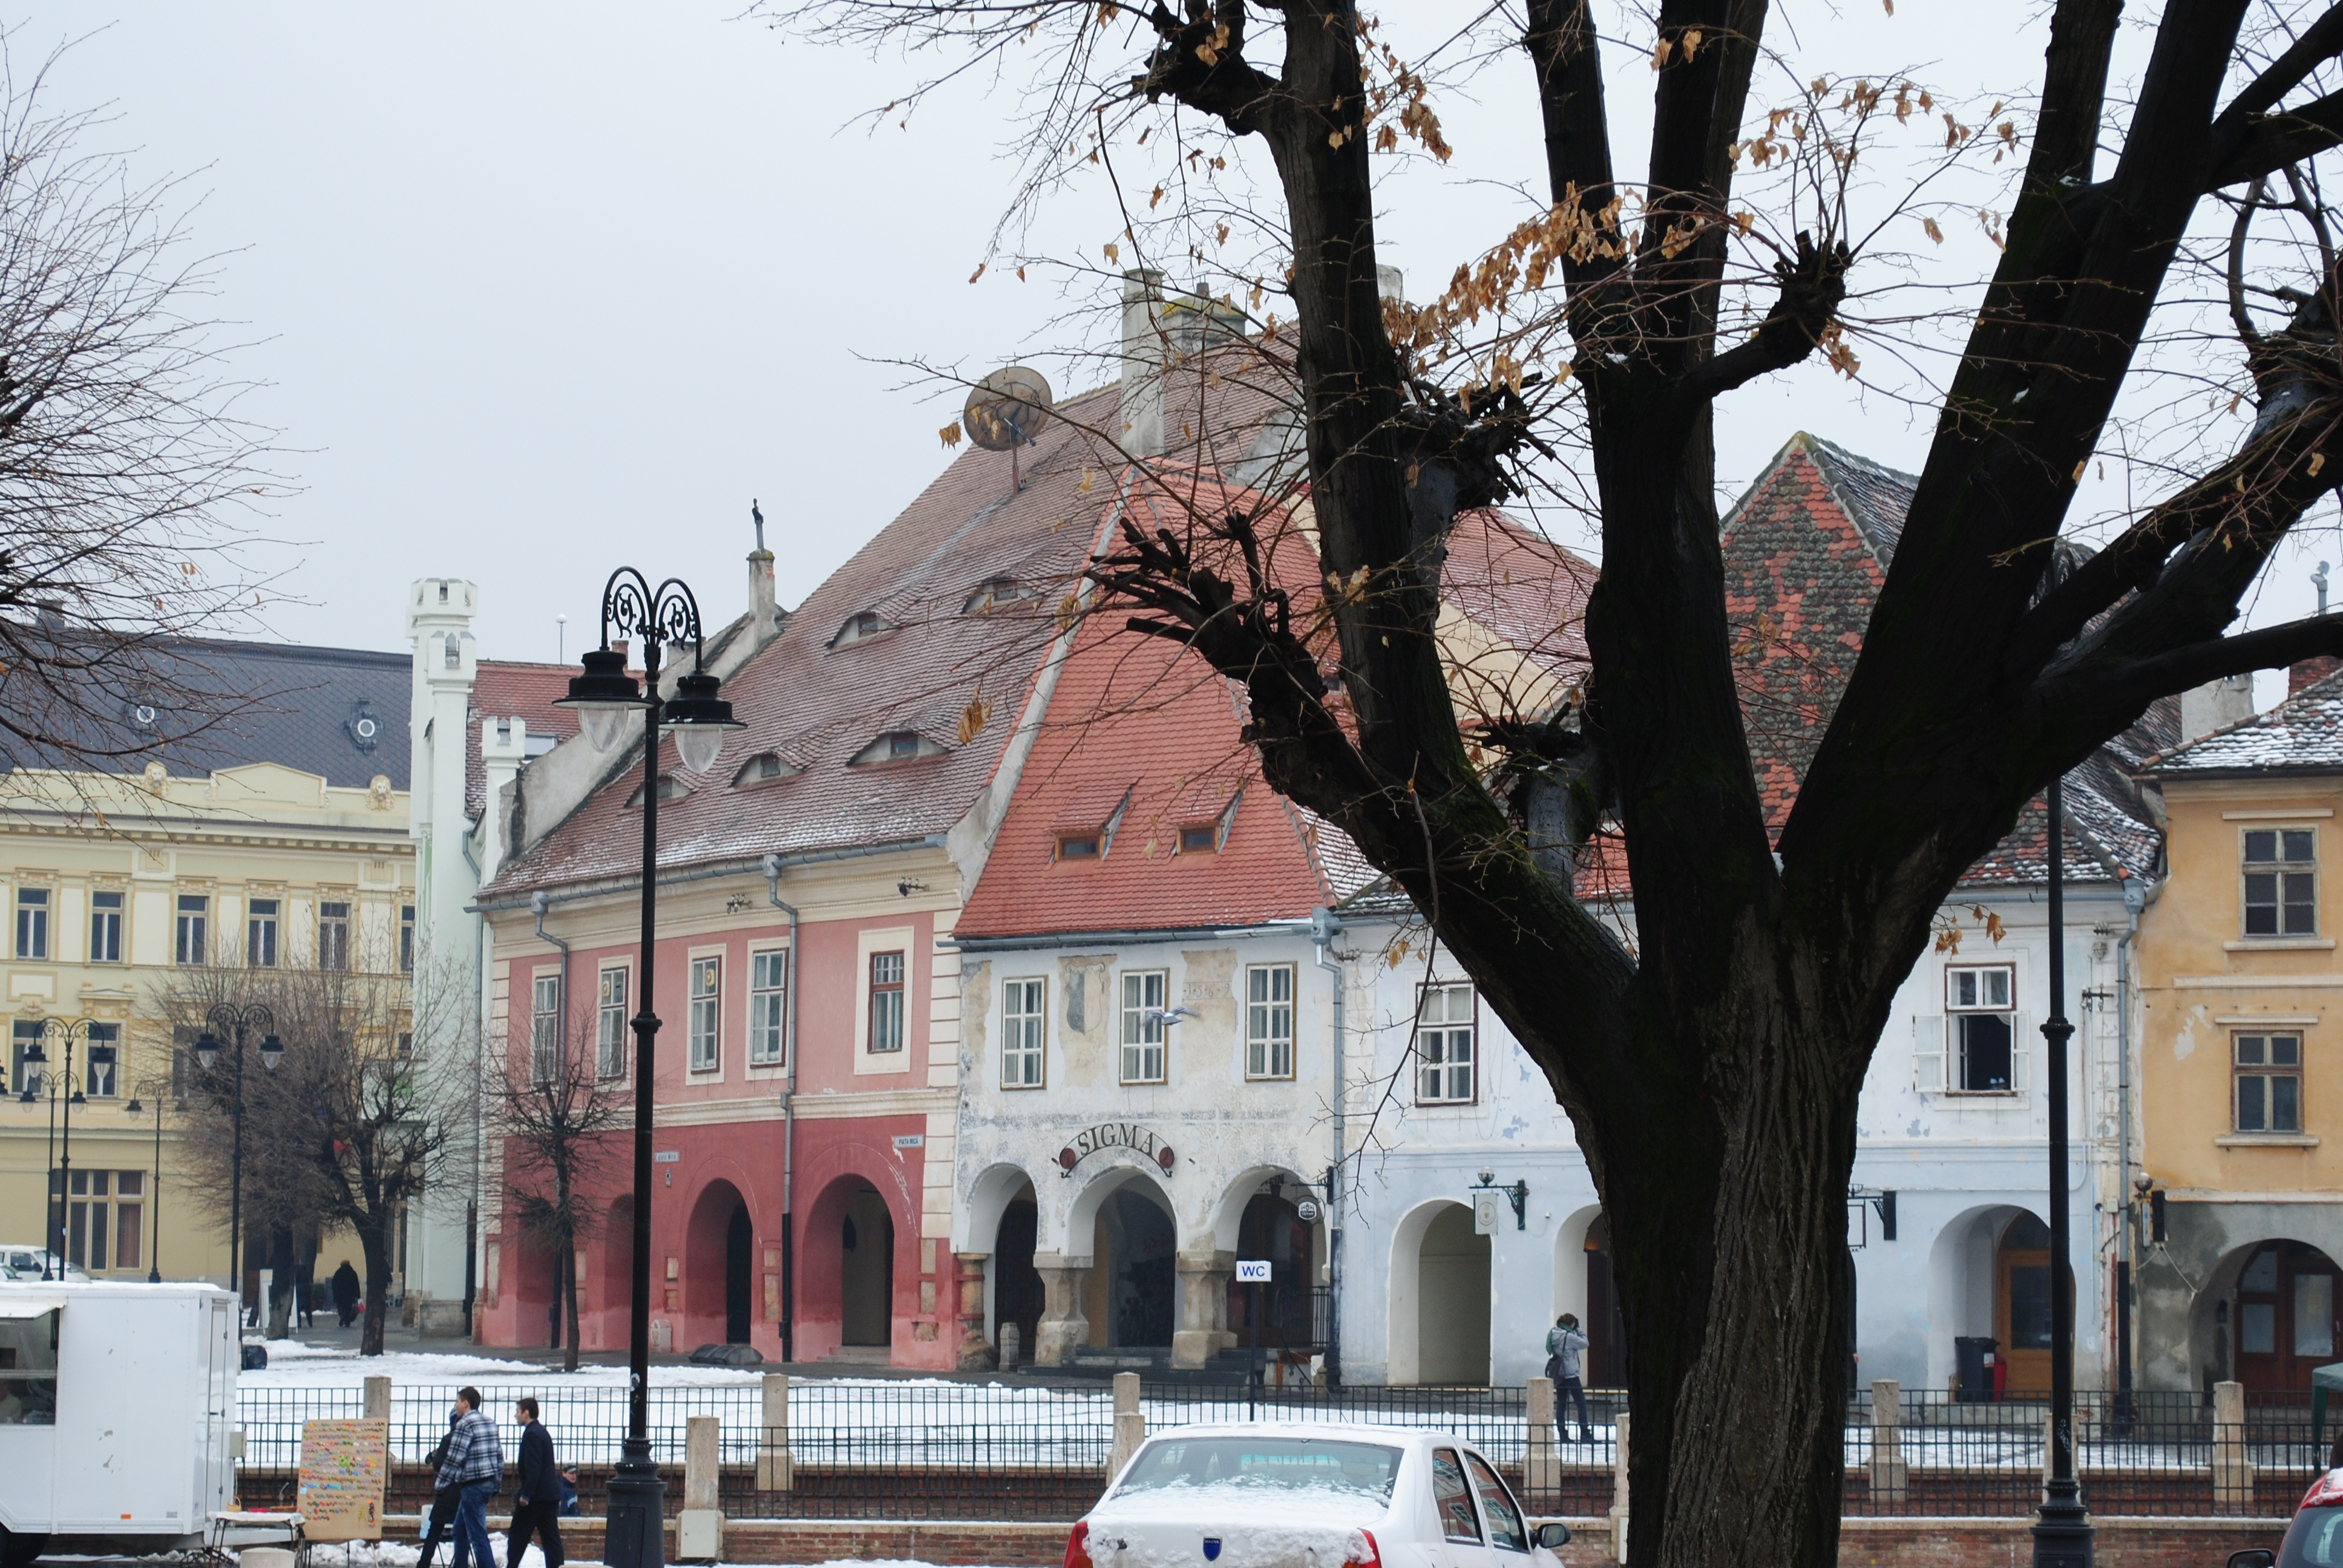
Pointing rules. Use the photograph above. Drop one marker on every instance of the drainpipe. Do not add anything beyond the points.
(1323, 928)
(788, 1122)
(479, 1085)
(538, 905)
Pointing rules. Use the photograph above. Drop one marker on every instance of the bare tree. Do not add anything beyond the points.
(349, 1128)
(1602, 333)
(555, 1123)
(122, 460)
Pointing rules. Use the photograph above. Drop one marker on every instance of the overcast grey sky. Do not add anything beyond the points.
(537, 288)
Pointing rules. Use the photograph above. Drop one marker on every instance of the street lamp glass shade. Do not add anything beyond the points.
(699, 719)
(208, 1050)
(34, 1055)
(134, 1108)
(271, 1047)
(603, 693)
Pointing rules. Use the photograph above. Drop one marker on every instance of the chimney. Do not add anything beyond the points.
(1390, 283)
(504, 751)
(764, 618)
(2310, 672)
(2215, 705)
(1143, 363)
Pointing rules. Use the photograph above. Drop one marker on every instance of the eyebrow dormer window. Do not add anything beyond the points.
(897, 746)
(997, 594)
(670, 788)
(763, 767)
(861, 626)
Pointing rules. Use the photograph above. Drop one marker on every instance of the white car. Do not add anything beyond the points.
(1292, 1495)
(24, 1264)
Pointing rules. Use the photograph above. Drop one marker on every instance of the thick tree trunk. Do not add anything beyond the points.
(280, 1281)
(373, 1240)
(569, 1296)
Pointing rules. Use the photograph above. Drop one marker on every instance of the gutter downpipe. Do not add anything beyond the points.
(773, 864)
(480, 1089)
(2135, 898)
(1324, 927)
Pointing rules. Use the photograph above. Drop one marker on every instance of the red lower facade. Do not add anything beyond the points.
(865, 1285)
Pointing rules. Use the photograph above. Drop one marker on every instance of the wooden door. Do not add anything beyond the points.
(2287, 1319)
(2021, 1305)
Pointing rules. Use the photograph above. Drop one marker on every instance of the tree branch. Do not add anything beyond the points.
(2321, 41)
(2136, 684)
(1813, 285)
(2273, 142)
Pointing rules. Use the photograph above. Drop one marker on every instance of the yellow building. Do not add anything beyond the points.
(275, 836)
(2240, 1067)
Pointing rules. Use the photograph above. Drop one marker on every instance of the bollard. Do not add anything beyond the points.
(1011, 1344)
(1891, 1478)
(1619, 1492)
(2233, 1471)
(1542, 1459)
(699, 1530)
(377, 1398)
(775, 1471)
(1129, 1424)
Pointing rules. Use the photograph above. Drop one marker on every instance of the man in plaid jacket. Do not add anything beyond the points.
(475, 1465)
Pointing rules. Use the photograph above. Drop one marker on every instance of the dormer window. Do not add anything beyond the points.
(1086, 826)
(997, 594)
(1200, 840)
(670, 788)
(763, 767)
(896, 746)
(861, 626)
(1077, 846)
(1205, 817)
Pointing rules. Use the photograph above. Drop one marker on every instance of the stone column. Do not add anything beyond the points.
(699, 1529)
(1619, 1492)
(1062, 1328)
(377, 1398)
(1130, 1423)
(1891, 1478)
(774, 1470)
(1203, 1308)
(2233, 1471)
(1542, 1460)
(975, 1351)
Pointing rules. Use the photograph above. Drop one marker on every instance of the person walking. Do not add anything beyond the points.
(536, 1505)
(475, 1465)
(346, 1292)
(443, 1498)
(1564, 1345)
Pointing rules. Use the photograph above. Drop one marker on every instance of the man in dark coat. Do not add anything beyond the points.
(346, 1292)
(443, 1498)
(537, 1505)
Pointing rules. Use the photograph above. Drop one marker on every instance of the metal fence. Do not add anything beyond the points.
(863, 1447)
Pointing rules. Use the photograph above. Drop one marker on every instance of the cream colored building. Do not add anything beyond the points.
(276, 836)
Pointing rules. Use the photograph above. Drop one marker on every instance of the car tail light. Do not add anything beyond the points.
(1078, 1545)
(1363, 1553)
(2326, 1491)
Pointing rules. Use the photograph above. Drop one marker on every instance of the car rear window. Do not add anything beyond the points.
(1270, 1463)
(2316, 1541)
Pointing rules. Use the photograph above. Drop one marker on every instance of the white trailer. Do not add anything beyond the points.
(117, 1408)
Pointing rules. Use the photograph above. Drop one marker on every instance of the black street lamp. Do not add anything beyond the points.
(66, 1032)
(155, 1193)
(604, 695)
(237, 1019)
(2062, 1532)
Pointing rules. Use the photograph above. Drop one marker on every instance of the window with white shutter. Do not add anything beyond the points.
(1928, 1054)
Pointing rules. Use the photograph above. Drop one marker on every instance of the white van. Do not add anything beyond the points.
(117, 1407)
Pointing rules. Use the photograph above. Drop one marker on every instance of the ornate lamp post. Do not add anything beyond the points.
(157, 1088)
(66, 1032)
(237, 1019)
(2062, 1533)
(605, 694)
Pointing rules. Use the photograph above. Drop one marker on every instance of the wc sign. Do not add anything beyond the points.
(1252, 1271)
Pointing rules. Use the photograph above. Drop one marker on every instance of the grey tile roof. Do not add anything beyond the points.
(199, 706)
(2304, 734)
(1875, 497)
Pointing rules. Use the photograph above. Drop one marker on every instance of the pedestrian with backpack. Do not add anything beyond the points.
(1564, 1347)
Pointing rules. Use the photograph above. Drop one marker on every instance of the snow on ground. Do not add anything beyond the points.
(294, 1365)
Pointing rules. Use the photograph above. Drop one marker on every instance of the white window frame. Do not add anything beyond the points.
(2281, 869)
(768, 1007)
(1144, 995)
(1980, 997)
(544, 1024)
(106, 925)
(1438, 1069)
(334, 934)
(885, 940)
(263, 932)
(610, 1044)
(187, 922)
(704, 987)
(33, 909)
(1024, 1032)
(887, 1029)
(1269, 1021)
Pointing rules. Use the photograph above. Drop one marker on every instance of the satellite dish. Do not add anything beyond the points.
(1005, 409)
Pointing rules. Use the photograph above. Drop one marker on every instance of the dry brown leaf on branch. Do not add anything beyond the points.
(973, 717)
(978, 271)
(1929, 225)
(950, 434)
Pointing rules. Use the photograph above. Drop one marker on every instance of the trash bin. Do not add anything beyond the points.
(1973, 1355)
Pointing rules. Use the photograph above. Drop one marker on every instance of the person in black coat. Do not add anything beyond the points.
(537, 1503)
(346, 1292)
(443, 1498)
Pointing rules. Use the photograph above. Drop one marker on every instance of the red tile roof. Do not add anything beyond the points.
(508, 691)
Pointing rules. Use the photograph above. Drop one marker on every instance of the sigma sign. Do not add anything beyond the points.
(1114, 1135)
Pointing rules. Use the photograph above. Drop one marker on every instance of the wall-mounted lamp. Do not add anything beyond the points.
(1484, 1214)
